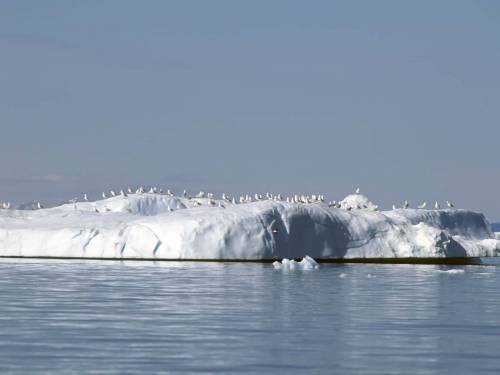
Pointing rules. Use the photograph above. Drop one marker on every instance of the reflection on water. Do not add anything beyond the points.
(134, 317)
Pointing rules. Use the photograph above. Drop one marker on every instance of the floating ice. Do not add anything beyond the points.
(157, 226)
(453, 271)
(307, 263)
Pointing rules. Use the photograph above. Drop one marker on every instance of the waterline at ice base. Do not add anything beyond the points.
(151, 224)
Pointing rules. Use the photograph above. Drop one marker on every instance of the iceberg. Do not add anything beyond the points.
(307, 263)
(159, 226)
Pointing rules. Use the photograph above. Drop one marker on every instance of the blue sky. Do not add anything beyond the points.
(400, 98)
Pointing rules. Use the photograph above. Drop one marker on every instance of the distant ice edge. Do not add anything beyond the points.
(153, 226)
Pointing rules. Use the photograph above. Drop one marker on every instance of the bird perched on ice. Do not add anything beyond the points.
(423, 205)
(130, 191)
(39, 205)
(123, 194)
(112, 192)
(357, 191)
(437, 206)
(185, 194)
(394, 207)
(450, 205)
(406, 205)
(103, 195)
(221, 205)
(85, 198)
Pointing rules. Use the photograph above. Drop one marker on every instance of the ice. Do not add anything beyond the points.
(307, 263)
(157, 226)
(453, 271)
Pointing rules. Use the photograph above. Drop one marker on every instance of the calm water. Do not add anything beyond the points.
(136, 317)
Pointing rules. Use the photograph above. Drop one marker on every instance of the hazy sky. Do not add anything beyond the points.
(401, 98)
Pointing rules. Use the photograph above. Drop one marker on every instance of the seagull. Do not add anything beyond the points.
(7, 205)
(39, 205)
(169, 193)
(179, 205)
(357, 191)
(423, 205)
(169, 209)
(85, 198)
(406, 204)
(185, 194)
(130, 191)
(103, 195)
(394, 207)
(437, 206)
(221, 205)
(450, 205)
(123, 194)
(113, 193)
(233, 201)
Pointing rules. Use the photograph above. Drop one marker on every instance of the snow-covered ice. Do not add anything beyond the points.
(157, 226)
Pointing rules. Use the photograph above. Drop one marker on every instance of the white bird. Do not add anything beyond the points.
(221, 205)
(179, 205)
(211, 202)
(169, 193)
(423, 205)
(113, 193)
(39, 205)
(201, 194)
(130, 191)
(357, 191)
(394, 207)
(185, 194)
(450, 205)
(7, 205)
(123, 194)
(406, 205)
(85, 198)
(437, 206)
(151, 190)
(103, 195)
(233, 201)
(169, 209)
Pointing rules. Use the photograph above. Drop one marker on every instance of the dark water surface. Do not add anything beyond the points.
(138, 317)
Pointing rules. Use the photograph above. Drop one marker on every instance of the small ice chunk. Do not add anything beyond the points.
(307, 263)
(453, 271)
(342, 275)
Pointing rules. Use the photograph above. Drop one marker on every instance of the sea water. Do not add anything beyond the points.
(173, 317)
